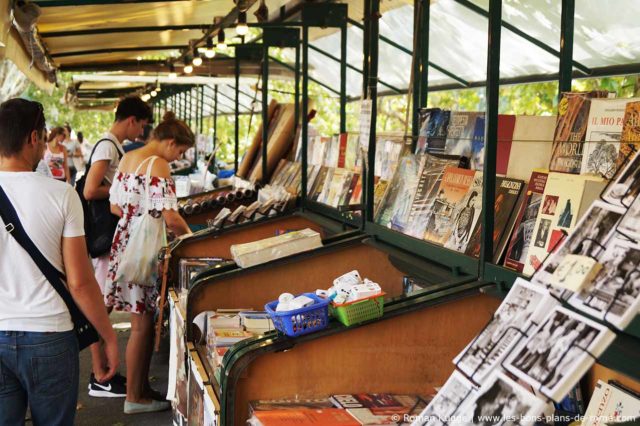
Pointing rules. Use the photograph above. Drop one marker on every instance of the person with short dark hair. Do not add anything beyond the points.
(140, 140)
(132, 114)
(39, 363)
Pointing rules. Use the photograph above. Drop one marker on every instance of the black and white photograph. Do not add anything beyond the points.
(587, 239)
(543, 233)
(614, 295)
(524, 304)
(602, 153)
(556, 355)
(630, 223)
(626, 187)
(444, 406)
(500, 402)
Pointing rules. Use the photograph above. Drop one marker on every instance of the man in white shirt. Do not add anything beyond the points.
(132, 114)
(38, 347)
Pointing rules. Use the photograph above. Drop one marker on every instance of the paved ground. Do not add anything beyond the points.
(109, 411)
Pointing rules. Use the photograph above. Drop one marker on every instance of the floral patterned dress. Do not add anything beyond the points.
(128, 191)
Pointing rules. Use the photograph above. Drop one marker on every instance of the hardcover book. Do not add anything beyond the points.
(525, 222)
(306, 416)
(604, 130)
(571, 127)
(460, 132)
(630, 133)
(531, 145)
(566, 197)
(453, 188)
(508, 196)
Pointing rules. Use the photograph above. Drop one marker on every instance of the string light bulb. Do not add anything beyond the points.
(153, 93)
(188, 69)
(197, 61)
(172, 71)
(221, 42)
(241, 27)
(208, 51)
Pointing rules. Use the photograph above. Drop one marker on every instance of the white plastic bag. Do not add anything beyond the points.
(139, 261)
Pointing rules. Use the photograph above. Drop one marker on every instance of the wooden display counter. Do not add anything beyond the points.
(408, 350)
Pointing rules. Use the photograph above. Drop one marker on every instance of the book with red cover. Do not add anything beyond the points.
(506, 124)
(322, 417)
(342, 149)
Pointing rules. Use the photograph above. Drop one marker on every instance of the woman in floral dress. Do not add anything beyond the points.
(168, 142)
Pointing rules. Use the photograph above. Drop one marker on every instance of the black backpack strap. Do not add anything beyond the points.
(13, 225)
(94, 150)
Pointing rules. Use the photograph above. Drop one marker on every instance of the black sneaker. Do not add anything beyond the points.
(114, 388)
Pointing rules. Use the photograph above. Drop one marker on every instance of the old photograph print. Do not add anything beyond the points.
(513, 318)
(587, 239)
(500, 402)
(614, 295)
(555, 357)
(444, 406)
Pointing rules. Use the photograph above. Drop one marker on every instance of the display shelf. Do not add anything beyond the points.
(406, 324)
(346, 217)
(458, 263)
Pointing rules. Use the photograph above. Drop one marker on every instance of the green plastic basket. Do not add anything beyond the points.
(358, 311)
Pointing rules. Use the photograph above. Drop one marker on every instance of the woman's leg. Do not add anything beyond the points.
(137, 360)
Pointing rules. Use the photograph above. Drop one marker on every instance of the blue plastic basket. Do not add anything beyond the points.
(300, 321)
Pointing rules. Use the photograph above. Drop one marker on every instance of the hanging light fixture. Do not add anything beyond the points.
(241, 27)
(188, 67)
(172, 71)
(208, 50)
(221, 43)
(197, 59)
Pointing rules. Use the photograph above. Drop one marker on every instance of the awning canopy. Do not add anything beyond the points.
(137, 37)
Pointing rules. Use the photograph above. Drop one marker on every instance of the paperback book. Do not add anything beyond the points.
(611, 404)
(630, 140)
(466, 215)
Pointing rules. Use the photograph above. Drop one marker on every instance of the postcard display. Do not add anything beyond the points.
(550, 330)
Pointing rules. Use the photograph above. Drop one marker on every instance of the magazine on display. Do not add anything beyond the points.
(630, 222)
(477, 145)
(503, 402)
(453, 188)
(531, 145)
(433, 131)
(525, 222)
(460, 132)
(587, 239)
(396, 205)
(559, 352)
(446, 404)
(524, 305)
(509, 195)
(466, 215)
(426, 192)
(614, 294)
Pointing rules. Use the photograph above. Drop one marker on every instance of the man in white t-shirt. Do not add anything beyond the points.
(39, 362)
(132, 114)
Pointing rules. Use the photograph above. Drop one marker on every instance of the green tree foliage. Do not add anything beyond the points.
(57, 112)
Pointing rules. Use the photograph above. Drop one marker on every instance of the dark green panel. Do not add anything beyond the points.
(324, 14)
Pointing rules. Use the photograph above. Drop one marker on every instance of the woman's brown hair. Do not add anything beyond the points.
(172, 128)
(56, 131)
